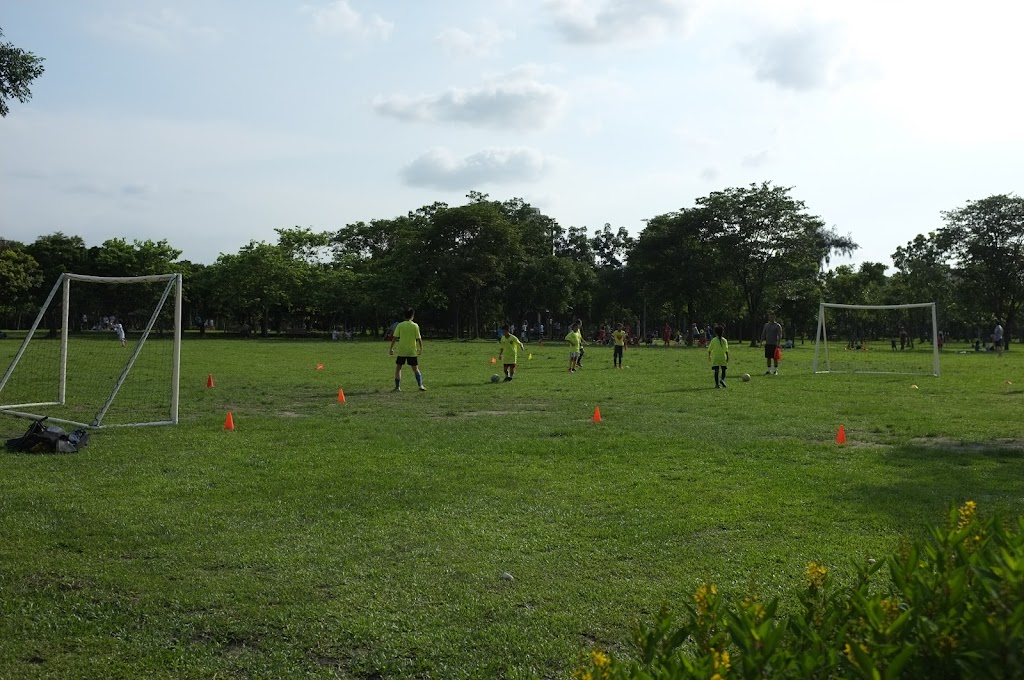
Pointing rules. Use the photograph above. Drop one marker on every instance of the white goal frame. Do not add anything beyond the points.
(822, 335)
(173, 281)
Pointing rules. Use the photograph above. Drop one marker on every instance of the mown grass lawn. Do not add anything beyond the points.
(475, 529)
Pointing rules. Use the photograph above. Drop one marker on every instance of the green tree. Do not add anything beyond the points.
(773, 245)
(19, 275)
(18, 69)
(923, 274)
(466, 251)
(985, 240)
(675, 262)
(58, 254)
(255, 285)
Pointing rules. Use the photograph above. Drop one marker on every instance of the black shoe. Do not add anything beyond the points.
(508, 378)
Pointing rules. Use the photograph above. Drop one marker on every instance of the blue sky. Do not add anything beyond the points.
(210, 124)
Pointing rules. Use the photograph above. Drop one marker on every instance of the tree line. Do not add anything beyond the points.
(732, 257)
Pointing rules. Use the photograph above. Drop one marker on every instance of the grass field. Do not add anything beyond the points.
(376, 537)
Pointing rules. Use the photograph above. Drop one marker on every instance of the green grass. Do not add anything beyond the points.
(369, 539)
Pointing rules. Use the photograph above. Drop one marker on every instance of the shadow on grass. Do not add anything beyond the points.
(925, 479)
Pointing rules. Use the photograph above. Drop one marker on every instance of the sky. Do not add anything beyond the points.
(210, 123)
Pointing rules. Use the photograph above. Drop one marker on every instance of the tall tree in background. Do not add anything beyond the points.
(465, 254)
(675, 263)
(770, 243)
(18, 69)
(986, 241)
(19, 274)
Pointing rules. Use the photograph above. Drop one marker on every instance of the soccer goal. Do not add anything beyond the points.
(897, 339)
(104, 351)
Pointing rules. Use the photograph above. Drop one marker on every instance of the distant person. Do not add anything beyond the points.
(940, 339)
(718, 355)
(512, 344)
(579, 329)
(576, 343)
(119, 332)
(903, 338)
(997, 338)
(771, 336)
(666, 335)
(410, 346)
(619, 338)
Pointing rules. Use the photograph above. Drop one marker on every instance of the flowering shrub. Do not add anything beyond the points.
(953, 608)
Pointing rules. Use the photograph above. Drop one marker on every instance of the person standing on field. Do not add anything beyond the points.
(718, 355)
(997, 338)
(619, 338)
(513, 345)
(119, 332)
(410, 346)
(575, 341)
(771, 336)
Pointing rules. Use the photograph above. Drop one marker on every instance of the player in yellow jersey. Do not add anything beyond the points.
(576, 343)
(509, 352)
(410, 346)
(718, 355)
(619, 338)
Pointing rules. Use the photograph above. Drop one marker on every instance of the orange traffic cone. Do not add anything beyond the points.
(341, 396)
(319, 367)
(493, 360)
(841, 437)
(229, 422)
(209, 380)
(597, 414)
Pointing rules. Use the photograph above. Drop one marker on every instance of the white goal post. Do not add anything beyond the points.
(100, 374)
(821, 341)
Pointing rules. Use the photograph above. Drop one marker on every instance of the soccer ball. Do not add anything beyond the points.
(495, 378)
(745, 377)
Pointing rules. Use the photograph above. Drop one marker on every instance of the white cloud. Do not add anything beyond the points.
(756, 160)
(802, 58)
(339, 18)
(479, 42)
(440, 169)
(165, 29)
(515, 104)
(590, 22)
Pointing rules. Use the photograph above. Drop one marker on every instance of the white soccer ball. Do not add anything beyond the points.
(745, 377)
(495, 378)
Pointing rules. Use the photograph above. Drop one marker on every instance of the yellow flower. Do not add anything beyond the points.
(848, 651)
(703, 595)
(599, 659)
(816, 574)
(721, 659)
(966, 512)
(891, 607)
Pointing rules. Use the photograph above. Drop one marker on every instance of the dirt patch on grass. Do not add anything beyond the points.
(948, 444)
(485, 412)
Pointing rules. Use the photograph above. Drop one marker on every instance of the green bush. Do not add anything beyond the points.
(953, 607)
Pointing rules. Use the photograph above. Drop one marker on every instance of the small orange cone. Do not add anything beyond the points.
(597, 414)
(319, 367)
(841, 437)
(229, 422)
(493, 360)
(341, 396)
(209, 380)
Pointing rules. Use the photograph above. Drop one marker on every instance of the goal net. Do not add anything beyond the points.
(877, 339)
(103, 351)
